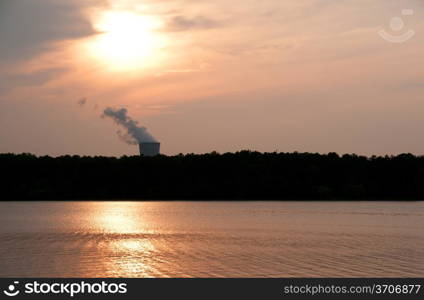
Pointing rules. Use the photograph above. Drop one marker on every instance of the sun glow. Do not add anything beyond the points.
(127, 41)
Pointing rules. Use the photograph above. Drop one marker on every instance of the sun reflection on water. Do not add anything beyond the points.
(132, 257)
(116, 217)
(128, 248)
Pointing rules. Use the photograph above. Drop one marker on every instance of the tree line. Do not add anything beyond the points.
(244, 175)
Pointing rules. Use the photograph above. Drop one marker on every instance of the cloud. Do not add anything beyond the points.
(38, 78)
(182, 23)
(29, 27)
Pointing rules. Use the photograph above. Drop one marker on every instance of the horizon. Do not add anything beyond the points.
(214, 152)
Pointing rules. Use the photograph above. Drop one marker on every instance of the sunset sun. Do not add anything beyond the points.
(127, 41)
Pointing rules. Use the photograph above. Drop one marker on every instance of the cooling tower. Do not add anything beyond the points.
(149, 149)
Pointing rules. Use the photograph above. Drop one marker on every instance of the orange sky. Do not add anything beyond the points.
(306, 75)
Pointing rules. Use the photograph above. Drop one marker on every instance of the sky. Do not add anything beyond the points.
(321, 76)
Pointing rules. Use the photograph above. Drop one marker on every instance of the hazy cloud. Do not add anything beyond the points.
(9, 81)
(181, 23)
(29, 27)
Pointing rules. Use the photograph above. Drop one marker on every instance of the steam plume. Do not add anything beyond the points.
(134, 133)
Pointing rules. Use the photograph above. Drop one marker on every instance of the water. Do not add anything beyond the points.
(211, 239)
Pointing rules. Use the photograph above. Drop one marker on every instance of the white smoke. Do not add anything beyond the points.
(134, 133)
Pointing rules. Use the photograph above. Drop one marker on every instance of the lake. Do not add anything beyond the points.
(211, 239)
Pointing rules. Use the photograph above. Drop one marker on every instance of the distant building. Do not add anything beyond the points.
(149, 149)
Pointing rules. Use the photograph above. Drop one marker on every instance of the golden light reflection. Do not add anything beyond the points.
(133, 257)
(117, 218)
(127, 40)
(136, 245)
(127, 238)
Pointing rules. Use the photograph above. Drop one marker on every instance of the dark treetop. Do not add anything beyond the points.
(243, 175)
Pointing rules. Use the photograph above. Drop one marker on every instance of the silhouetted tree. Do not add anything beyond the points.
(245, 175)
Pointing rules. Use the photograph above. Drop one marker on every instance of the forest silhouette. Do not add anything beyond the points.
(244, 175)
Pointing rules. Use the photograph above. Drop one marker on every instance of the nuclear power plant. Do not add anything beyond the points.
(135, 134)
(149, 149)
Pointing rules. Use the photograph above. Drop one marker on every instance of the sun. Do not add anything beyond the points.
(126, 40)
